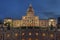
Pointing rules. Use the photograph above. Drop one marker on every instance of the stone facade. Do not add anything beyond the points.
(31, 20)
(29, 34)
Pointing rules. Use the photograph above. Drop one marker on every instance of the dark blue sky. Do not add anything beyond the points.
(17, 8)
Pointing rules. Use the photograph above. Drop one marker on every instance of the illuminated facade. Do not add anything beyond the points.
(31, 20)
(29, 34)
(29, 28)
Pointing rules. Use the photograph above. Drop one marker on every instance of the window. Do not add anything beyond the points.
(30, 27)
(30, 39)
(51, 35)
(16, 34)
(23, 34)
(49, 23)
(9, 20)
(24, 24)
(41, 23)
(36, 34)
(51, 20)
(36, 27)
(23, 27)
(23, 39)
(23, 17)
(36, 17)
(36, 39)
(43, 34)
(29, 33)
(8, 35)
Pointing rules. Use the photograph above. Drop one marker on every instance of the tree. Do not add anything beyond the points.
(8, 25)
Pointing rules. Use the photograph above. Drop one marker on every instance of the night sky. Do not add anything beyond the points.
(17, 8)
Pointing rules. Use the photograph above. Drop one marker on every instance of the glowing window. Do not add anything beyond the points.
(16, 34)
(36, 39)
(23, 17)
(23, 24)
(29, 33)
(37, 34)
(49, 23)
(51, 35)
(18, 24)
(51, 20)
(44, 34)
(23, 34)
(9, 20)
(36, 17)
(8, 35)
(4, 22)
(23, 39)
(30, 39)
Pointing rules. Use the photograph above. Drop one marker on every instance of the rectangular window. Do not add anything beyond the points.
(23, 27)
(30, 27)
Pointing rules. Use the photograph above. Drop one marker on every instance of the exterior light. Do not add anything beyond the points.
(29, 33)
(37, 34)
(44, 34)
(51, 20)
(36, 39)
(18, 24)
(16, 34)
(29, 39)
(8, 35)
(4, 22)
(9, 20)
(36, 17)
(23, 39)
(23, 17)
(51, 35)
(23, 34)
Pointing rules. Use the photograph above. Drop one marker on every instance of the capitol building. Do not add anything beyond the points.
(31, 20)
(30, 27)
